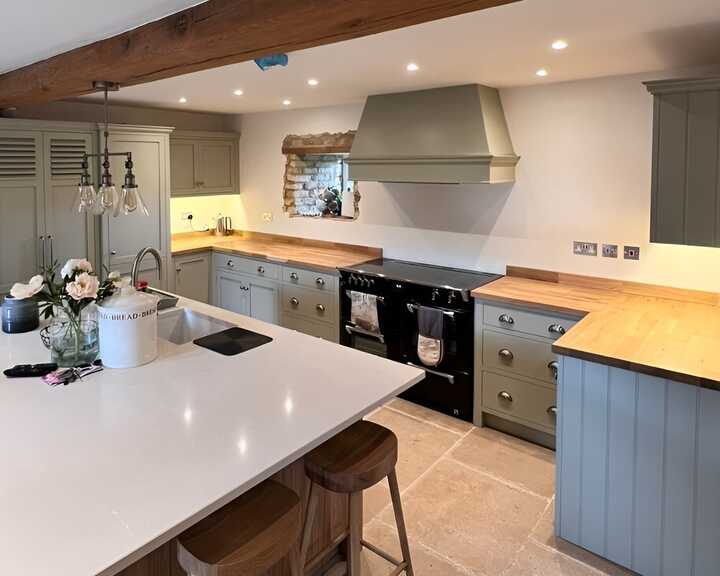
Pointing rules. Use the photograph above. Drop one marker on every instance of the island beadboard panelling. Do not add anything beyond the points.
(638, 469)
(660, 331)
(326, 256)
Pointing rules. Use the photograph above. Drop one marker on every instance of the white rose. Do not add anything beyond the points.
(75, 264)
(21, 291)
(114, 276)
(84, 286)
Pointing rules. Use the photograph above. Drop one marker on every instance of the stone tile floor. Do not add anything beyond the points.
(477, 503)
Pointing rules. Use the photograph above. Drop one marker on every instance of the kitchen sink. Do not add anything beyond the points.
(182, 325)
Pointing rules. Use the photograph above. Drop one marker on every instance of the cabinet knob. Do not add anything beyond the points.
(113, 252)
(554, 368)
(505, 354)
(261, 270)
(506, 319)
(556, 329)
(320, 282)
(230, 264)
(552, 410)
(505, 396)
(294, 301)
(293, 276)
(320, 308)
(200, 183)
(178, 270)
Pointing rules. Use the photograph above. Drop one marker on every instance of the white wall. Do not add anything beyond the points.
(584, 174)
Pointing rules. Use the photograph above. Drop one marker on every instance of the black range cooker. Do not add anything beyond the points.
(400, 287)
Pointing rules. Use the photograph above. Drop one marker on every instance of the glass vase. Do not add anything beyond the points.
(73, 338)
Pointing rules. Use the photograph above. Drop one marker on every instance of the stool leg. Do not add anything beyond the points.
(354, 548)
(400, 521)
(310, 509)
(296, 568)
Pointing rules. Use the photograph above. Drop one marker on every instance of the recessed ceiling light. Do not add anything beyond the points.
(238, 92)
(313, 82)
(286, 102)
(182, 100)
(559, 45)
(412, 67)
(542, 73)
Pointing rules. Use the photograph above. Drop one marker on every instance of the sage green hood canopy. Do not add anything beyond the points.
(443, 135)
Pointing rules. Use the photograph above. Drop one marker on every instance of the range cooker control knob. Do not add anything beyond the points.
(435, 295)
(451, 297)
(398, 286)
(353, 279)
(372, 282)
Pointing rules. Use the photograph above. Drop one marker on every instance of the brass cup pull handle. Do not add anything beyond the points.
(505, 354)
(556, 329)
(320, 282)
(293, 276)
(261, 270)
(554, 368)
(505, 396)
(230, 264)
(552, 410)
(506, 319)
(320, 308)
(294, 301)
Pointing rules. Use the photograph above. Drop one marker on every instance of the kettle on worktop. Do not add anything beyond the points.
(223, 226)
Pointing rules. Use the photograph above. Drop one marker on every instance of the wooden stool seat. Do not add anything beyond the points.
(246, 537)
(355, 459)
(352, 461)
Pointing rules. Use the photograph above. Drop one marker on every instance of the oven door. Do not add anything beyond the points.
(370, 342)
(449, 393)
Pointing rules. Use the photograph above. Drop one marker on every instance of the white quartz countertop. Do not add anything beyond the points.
(98, 473)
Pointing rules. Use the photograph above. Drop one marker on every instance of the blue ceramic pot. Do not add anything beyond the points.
(19, 315)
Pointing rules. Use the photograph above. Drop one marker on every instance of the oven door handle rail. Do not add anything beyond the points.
(414, 307)
(380, 299)
(350, 329)
(449, 377)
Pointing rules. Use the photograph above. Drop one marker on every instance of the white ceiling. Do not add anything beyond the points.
(501, 47)
(37, 29)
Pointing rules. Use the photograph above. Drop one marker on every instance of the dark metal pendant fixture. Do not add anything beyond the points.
(107, 199)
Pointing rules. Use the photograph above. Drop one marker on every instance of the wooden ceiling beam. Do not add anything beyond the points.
(217, 33)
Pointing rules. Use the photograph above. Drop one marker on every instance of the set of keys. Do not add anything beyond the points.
(69, 375)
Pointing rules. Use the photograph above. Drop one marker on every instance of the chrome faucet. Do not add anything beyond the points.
(136, 264)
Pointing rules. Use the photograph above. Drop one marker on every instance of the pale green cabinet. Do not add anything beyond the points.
(192, 276)
(247, 295)
(686, 162)
(204, 163)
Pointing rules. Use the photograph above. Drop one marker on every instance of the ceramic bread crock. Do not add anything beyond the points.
(127, 325)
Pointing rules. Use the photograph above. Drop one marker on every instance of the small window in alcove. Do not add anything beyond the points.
(316, 183)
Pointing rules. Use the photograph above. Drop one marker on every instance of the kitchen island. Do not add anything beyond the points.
(105, 472)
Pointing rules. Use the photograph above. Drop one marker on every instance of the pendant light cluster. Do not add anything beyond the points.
(106, 199)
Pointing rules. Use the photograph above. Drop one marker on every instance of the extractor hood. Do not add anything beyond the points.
(443, 135)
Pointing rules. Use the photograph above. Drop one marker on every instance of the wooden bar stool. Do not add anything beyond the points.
(247, 536)
(350, 462)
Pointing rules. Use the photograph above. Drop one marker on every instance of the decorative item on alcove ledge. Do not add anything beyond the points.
(72, 334)
(315, 182)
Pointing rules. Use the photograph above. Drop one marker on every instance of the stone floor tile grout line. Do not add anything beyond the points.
(503, 481)
(428, 422)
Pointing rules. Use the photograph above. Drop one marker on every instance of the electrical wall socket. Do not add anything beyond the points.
(186, 216)
(267, 216)
(585, 248)
(610, 250)
(631, 252)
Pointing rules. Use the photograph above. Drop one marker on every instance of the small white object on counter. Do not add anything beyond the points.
(99, 473)
(127, 326)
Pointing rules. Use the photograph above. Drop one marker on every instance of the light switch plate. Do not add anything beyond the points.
(585, 248)
(267, 216)
(610, 250)
(631, 252)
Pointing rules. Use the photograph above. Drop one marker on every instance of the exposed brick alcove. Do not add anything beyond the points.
(314, 168)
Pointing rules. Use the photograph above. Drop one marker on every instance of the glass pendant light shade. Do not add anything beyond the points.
(85, 200)
(132, 201)
(107, 198)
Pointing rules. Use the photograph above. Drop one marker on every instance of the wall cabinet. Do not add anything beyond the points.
(204, 163)
(686, 162)
(192, 276)
(125, 236)
(39, 171)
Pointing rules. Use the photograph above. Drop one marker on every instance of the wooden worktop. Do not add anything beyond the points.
(666, 332)
(325, 256)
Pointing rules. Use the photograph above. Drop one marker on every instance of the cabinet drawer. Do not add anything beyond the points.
(521, 355)
(309, 303)
(537, 323)
(317, 329)
(310, 279)
(533, 404)
(249, 266)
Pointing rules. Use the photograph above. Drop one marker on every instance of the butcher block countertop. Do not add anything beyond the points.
(665, 332)
(324, 256)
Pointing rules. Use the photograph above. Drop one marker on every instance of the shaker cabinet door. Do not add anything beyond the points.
(192, 277)
(183, 178)
(264, 301)
(232, 293)
(216, 167)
